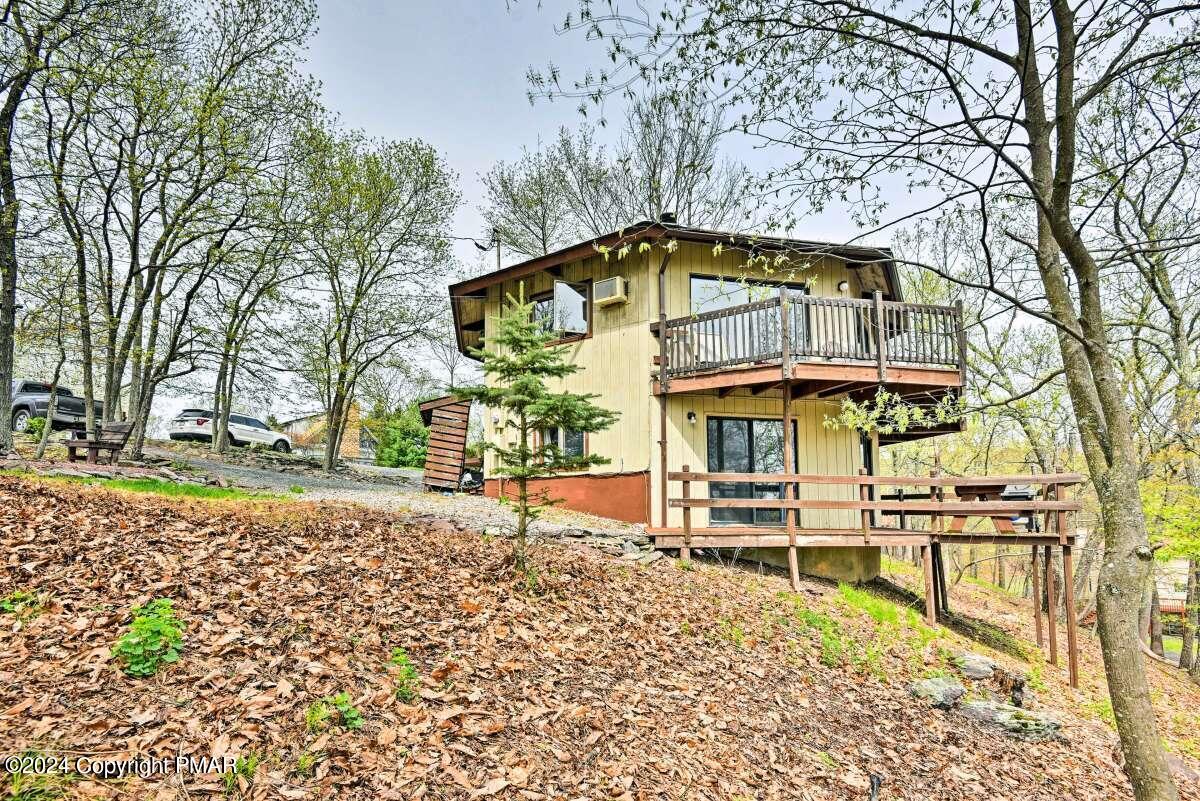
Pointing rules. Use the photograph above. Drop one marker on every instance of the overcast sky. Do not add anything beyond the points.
(450, 72)
(453, 73)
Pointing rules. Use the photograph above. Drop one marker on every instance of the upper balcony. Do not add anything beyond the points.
(821, 346)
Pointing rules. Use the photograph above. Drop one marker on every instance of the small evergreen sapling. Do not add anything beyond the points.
(518, 361)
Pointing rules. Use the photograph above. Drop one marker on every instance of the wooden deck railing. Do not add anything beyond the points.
(974, 496)
(819, 329)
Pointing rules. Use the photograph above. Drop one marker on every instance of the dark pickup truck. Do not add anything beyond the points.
(32, 398)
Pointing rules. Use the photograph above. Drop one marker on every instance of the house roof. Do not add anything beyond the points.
(853, 255)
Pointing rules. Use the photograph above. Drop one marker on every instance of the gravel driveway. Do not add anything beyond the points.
(399, 489)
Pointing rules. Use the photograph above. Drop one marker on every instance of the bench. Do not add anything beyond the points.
(110, 439)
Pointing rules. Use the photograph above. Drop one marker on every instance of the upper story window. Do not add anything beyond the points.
(709, 293)
(564, 310)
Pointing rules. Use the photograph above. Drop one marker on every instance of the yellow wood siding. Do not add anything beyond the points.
(818, 449)
(615, 359)
(617, 367)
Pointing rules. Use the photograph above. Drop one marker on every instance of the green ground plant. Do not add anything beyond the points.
(732, 632)
(154, 639)
(243, 768)
(408, 681)
(1102, 709)
(152, 486)
(305, 763)
(38, 786)
(36, 426)
(24, 605)
(320, 713)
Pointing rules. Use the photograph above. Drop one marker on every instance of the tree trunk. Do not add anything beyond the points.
(52, 405)
(519, 540)
(9, 218)
(1188, 618)
(220, 421)
(333, 427)
(1156, 627)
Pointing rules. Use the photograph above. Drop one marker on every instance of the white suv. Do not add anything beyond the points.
(197, 424)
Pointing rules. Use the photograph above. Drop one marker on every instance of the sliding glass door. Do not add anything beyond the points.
(745, 445)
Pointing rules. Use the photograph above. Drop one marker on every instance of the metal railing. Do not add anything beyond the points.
(819, 330)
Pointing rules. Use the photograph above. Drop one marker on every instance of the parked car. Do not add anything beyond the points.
(31, 399)
(198, 425)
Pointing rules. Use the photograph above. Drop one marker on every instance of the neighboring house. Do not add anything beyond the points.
(308, 436)
(687, 347)
(1172, 586)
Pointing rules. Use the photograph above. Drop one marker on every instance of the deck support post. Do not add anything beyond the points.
(663, 373)
(1051, 607)
(939, 572)
(685, 553)
(1034, 567)
(789, 459)
(1072, 634)
(937, 525)
(927, 562)
(864, 494)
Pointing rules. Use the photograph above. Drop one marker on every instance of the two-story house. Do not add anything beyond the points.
(681, 331)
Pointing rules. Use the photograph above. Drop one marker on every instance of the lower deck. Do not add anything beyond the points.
(924, 512)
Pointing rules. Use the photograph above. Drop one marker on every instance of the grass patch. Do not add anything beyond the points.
(152, 486)
(1103, 710)
(172, 490)
(243, 768)
(878, 609)
(892, 628)
(305, 763)
(732, 633)
(45, 785)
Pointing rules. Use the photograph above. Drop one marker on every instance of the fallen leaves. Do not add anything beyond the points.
(613, 684)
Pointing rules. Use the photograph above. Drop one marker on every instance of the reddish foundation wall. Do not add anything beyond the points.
(620, 496)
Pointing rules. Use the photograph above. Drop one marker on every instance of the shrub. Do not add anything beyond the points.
(154, 639)
(403, 439)
(36, 426)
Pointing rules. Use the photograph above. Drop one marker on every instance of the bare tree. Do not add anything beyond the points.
(668, 159)
(377, 238)
(526, 204)
(967, 103)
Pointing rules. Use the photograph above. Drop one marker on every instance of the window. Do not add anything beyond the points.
(564, 310)
(742, 445)
(570, 443)
(710, 293)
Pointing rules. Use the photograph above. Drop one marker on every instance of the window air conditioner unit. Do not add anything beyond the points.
(609, 291)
